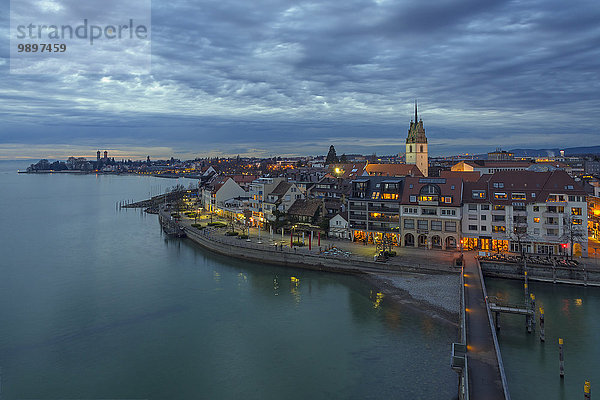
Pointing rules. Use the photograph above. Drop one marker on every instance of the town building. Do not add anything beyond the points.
(490, 167)
(258, 191)
(374, 209)
(334, 192)
(533, 212)
(223, 189)
(281, 199)
(500, 155)
(431, 212)
(338, 226)
(307, 212)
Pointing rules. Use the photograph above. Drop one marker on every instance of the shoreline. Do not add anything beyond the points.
(395, 284)
(405, 298)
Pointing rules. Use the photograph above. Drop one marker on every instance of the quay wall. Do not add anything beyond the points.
(542, 273)
(299, 257)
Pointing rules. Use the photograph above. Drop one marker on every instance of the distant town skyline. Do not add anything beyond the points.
(284, 78)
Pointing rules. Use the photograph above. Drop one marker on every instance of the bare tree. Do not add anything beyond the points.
(574, 232)
(519, 233)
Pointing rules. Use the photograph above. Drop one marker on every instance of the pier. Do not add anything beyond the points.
(485, 378)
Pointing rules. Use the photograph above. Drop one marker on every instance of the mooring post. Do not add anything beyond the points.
(497, 320)
(561, 358)
(533, 309)
(587, 390)
(528, 322)
(542, 331)
(525, 286)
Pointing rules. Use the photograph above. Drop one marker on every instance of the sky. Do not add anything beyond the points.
(287, 78)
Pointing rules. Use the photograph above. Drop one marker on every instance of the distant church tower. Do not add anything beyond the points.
(416, 145)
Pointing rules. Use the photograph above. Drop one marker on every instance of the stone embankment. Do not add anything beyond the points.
(297, 257)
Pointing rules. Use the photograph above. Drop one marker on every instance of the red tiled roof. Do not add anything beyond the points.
(393, 170)
(536, 186)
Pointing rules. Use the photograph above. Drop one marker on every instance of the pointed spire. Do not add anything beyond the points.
(416, 118)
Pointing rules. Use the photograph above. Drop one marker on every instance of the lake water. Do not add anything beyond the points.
(97, 303)
(532, 367)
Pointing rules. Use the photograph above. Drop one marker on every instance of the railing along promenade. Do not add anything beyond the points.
(336, 261)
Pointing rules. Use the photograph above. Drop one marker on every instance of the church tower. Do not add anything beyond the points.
(416, 145)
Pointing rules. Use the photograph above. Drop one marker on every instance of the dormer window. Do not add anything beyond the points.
(429, 193)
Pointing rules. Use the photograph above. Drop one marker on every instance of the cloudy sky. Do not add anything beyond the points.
(283, 77)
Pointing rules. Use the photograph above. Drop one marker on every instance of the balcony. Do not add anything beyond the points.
(358, 216)
(385, 209)
(356, 225)
(553, 214)
(383, 218)
(358, 208)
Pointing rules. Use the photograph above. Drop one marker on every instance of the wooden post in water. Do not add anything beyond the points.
(587, 390)
(542, 331)
(561, 358)
(526, 287)
(497, 320)
(533, 309)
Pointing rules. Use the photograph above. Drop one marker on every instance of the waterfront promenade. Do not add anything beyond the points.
(332, 254)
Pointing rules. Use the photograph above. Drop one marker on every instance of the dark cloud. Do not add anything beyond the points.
(291, 77)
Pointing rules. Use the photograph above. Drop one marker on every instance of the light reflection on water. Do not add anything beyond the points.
(97, 303)
(532, 366)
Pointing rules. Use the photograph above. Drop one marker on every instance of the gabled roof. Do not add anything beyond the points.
(281, 189)
(343, 214)
(216, 185)
(393, 170)
(305, 207)
(243, 179)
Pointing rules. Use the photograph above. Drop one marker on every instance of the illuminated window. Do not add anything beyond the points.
(447, 200)
(498, 228)
(478, 194)
(536, 220)
(375, 195)
(518, 196)
(389, 196)
(577, 221)
(500, 195)
(428, 198)
(576, 211)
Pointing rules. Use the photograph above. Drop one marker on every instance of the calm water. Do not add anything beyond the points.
(532, 367)
(96, 303)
